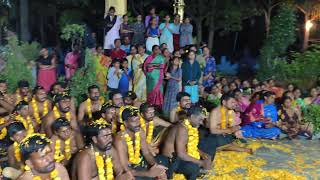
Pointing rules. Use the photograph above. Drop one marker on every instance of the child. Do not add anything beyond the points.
(124, 82)
(114, 75)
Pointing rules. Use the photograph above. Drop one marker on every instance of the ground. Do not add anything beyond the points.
(281, 160)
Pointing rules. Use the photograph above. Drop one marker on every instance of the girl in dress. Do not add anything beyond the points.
(153, 35)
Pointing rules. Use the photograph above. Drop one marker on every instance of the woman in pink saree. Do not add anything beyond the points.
(154, 67)
(71, 62)
(46, 70)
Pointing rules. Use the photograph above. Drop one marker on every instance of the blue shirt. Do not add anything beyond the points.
(126, 48)
(124, 82)
(113, 79)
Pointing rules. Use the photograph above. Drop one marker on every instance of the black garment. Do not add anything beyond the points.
(207, 143)
(221, 140)
(108, 24)
(45, 61)
(142, 166)
(171, 163)
(189, 169)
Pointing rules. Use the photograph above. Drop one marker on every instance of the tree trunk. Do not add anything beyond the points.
(1, 35)
(306, 35)
(199, 30)
(42, 35)
(211, 35)
(267, 17)
(305, 39)
(24, 20)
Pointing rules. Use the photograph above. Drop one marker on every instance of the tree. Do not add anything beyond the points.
(4, 19)
(16, 65)
(282, 35)
(227, 16)
(266, 6)
(198, 10)
(311, 11)
(24, 20)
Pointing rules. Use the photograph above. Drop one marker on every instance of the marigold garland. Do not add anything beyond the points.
(18, 96)
(57, 114)
(35, 108)
(27, 123)
(149, 132)
(17, 153)
(3, 132)
(193, 140)
(58, 156)
(224, 122)
(89, 106)
(134, 154)
(105, 167)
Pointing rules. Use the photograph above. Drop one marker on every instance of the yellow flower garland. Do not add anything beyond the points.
(35, 108)
(17, 153)
(58, 156)
(57, 114)
(27, 123)
(224, 118)
(53, 175)
(3, 132)
(134, 154)
(150, 129)
(178, 109)
(89, 106)
(193, 140)
(105, 168)
(19, 97)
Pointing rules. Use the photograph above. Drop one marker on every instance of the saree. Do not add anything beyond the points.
(102, 64)
(154, 79)
(46, 78)
(139, 78)
(252, 127)
(71, 60)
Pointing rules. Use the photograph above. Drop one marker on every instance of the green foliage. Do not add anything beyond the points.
(30, 51)
(303, 69)
(16, 65)
(83, 78)
(281, 36)
(312, 114)
(70, 16)
(72, 32)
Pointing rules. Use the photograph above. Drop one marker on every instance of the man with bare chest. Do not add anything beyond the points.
(184, 104)
(64, 143)
(223, 127)
(40, 105)
(38, 157)
(131, 145)
(179, 148)
(99, 160)
(89, 109)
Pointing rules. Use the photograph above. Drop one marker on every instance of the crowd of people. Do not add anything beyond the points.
(166, 112)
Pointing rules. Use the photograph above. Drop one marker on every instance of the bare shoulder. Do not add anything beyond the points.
(215, 110)
(25, 176)
(82, 105)
(83, 155)
(118, 137)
